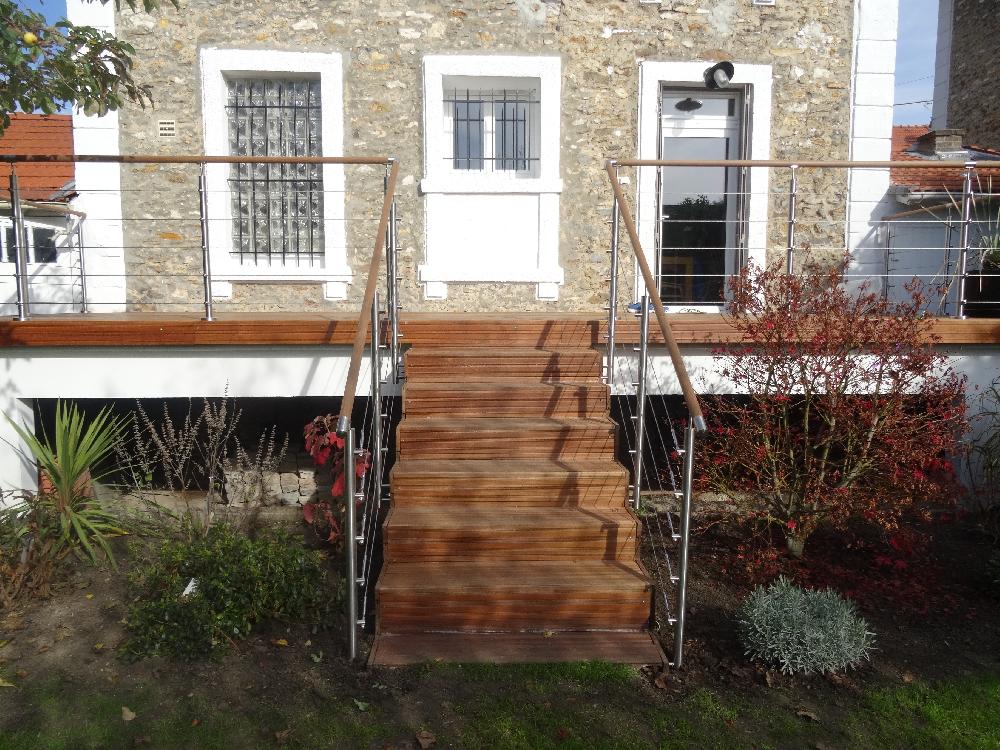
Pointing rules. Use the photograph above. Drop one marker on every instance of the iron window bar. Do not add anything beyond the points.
(493, 128)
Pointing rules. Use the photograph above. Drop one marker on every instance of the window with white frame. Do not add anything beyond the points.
(492, 125)
(42, 243)
(275, 222)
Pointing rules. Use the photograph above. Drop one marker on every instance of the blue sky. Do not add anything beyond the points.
(914, 55)
(915, 60)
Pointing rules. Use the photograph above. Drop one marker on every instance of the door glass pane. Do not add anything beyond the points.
(693, 232)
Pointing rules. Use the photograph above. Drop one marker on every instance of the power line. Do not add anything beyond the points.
(918, 101)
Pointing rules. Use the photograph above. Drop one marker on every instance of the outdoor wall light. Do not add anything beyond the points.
(719, 75)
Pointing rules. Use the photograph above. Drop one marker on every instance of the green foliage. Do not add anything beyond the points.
(65, 511)
(238, 581)
(46, 66)
(802, 631)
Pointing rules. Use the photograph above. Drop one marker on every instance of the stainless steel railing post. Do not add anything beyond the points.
(206, 259)
(640, 409)
(686, 482)
(376, 393)
(613, 292)
(965, 237)
(20, 247)
(392, 291)
(81, 250)
(793, 197)
(350, 542)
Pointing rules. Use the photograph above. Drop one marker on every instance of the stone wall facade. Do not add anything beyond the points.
(973, 100)
(600, 42)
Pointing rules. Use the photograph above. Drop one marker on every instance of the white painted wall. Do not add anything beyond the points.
(482, 226)
(99, 185)
(872, 95)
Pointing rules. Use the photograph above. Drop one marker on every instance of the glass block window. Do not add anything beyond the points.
(493, 130)
(277, 208)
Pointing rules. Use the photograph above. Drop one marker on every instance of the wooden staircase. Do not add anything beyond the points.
(509, 538)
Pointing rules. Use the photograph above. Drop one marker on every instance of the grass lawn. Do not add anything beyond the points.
(588, 705)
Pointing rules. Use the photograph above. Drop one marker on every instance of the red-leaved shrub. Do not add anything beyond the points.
(850, 414)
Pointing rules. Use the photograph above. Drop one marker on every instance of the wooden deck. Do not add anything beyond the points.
(428, 329)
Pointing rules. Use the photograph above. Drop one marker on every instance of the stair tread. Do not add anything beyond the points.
(506, 351)
(504, 424)
(545, 578)
(451, 516)
(498, 385)
(507, 467)
(621, 647)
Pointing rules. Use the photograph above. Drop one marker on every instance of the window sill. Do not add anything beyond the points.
(427, 272)
(490, 184)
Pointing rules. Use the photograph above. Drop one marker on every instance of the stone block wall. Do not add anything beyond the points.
(600, 42)
(973, 99)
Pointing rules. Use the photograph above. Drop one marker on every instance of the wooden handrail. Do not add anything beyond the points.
(191, 159)
(347, 405)
(916, 164)
(690, 397)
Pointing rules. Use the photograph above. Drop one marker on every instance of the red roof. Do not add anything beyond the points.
(39, 134)
(931, 179)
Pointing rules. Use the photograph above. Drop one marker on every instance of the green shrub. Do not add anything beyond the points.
(238, 581)
(802, 631)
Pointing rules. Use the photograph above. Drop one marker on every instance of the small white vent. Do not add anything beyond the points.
(765, 2)
(166, 128)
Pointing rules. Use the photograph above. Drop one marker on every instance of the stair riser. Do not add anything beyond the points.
(546, 334)
(407, 545)
(598, 493)
(559, 402)
(576, 442)
(486, 613)
(444, 368)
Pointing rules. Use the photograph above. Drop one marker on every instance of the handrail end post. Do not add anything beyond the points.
(343, 425)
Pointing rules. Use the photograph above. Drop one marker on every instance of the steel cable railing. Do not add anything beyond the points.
(167, 235)
(370, 495)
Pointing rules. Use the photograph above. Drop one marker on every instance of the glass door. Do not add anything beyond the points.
(699, 206)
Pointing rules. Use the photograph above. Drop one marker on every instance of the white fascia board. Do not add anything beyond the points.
(216, 64)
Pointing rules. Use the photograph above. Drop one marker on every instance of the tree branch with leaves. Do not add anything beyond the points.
(47, 66)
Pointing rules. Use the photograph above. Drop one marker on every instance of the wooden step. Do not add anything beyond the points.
(502, 363)
(618, 647)
(536, 330)
(591, 483)
(456, 531)
(549, 437)
(512, 595)
(423, 399)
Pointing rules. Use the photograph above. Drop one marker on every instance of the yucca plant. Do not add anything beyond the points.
(71, 462)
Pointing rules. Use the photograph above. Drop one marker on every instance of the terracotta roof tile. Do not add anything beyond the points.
(932, 179)
(38, 134)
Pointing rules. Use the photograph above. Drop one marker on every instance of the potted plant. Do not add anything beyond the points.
(982, 290)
